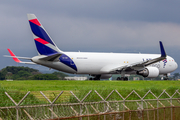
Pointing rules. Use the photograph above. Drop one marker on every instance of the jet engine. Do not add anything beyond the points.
(150, 72)
(106, 76)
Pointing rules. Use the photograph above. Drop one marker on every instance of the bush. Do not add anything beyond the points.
(45, 77)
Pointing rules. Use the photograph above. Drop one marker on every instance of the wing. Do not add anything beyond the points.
(138, 65)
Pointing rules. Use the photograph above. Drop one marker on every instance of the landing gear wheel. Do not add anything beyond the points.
(122, 78)
(166, 77)
(125, 79)
(97, 77)
(118, 78)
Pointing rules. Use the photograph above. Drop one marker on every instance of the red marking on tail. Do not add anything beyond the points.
(35, 21)
(13, 56)
(41, 41)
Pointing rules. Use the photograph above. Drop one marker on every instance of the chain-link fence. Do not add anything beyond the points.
(90, 105)
(146, 114)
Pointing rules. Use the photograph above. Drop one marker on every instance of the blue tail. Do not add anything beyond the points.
(44, 44)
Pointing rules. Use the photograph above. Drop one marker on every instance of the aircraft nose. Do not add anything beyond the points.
(175, 65)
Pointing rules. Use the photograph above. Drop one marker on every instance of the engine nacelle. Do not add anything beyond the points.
(106, 76)
(150, 72)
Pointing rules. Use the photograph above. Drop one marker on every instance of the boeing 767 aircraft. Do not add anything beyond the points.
(98, 65)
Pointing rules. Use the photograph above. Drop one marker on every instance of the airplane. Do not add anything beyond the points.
(97, 65)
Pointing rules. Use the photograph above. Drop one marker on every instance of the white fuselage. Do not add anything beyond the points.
(101, 63)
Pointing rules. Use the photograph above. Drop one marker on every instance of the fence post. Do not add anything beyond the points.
(173, 113)
(51, 103)
(123, 101)
(104, 102)
(81, 101)
(147, 110)
(123, 108)
(157, 104)
(177, 100)
(17, 104)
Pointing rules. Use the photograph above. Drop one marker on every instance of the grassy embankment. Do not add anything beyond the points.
(53, 85)
(52, 88)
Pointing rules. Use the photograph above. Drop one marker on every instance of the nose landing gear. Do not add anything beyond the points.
(166, 77)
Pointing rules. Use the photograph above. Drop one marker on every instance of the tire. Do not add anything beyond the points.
(125, 79)
(118, 78)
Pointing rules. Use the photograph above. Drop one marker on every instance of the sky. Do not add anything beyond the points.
(120, 26)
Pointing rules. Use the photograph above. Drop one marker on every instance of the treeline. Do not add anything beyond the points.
(26, 73)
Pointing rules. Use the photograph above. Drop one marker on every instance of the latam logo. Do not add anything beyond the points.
(165, 61)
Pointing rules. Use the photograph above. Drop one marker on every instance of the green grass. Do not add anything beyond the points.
(53, 85)
(51, 88)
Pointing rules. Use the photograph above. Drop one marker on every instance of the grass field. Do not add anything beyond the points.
(52, 88)
(57, 85)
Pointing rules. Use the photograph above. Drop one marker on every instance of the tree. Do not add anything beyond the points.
(45, 77)
(60, 75)
(16, 73)
(15, 69)
(24, 73)
(9, 75)
(2, 76)
(176, 76)
(3, 73)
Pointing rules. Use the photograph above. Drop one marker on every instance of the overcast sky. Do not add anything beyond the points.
(90, 25)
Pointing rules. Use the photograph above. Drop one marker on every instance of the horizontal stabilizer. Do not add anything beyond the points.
(27, 58)
(16, 59)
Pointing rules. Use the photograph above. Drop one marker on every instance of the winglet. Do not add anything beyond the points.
(14, 56)
(163, 53)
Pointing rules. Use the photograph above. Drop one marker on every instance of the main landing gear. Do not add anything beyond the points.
(122, 78)
(166, 77)
(97, 77)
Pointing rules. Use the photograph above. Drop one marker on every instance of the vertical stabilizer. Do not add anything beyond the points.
(44, 43)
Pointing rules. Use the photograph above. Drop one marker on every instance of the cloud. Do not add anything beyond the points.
(90, 33)
(103, 25)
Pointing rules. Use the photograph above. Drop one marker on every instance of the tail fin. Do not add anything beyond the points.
(44, 43)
